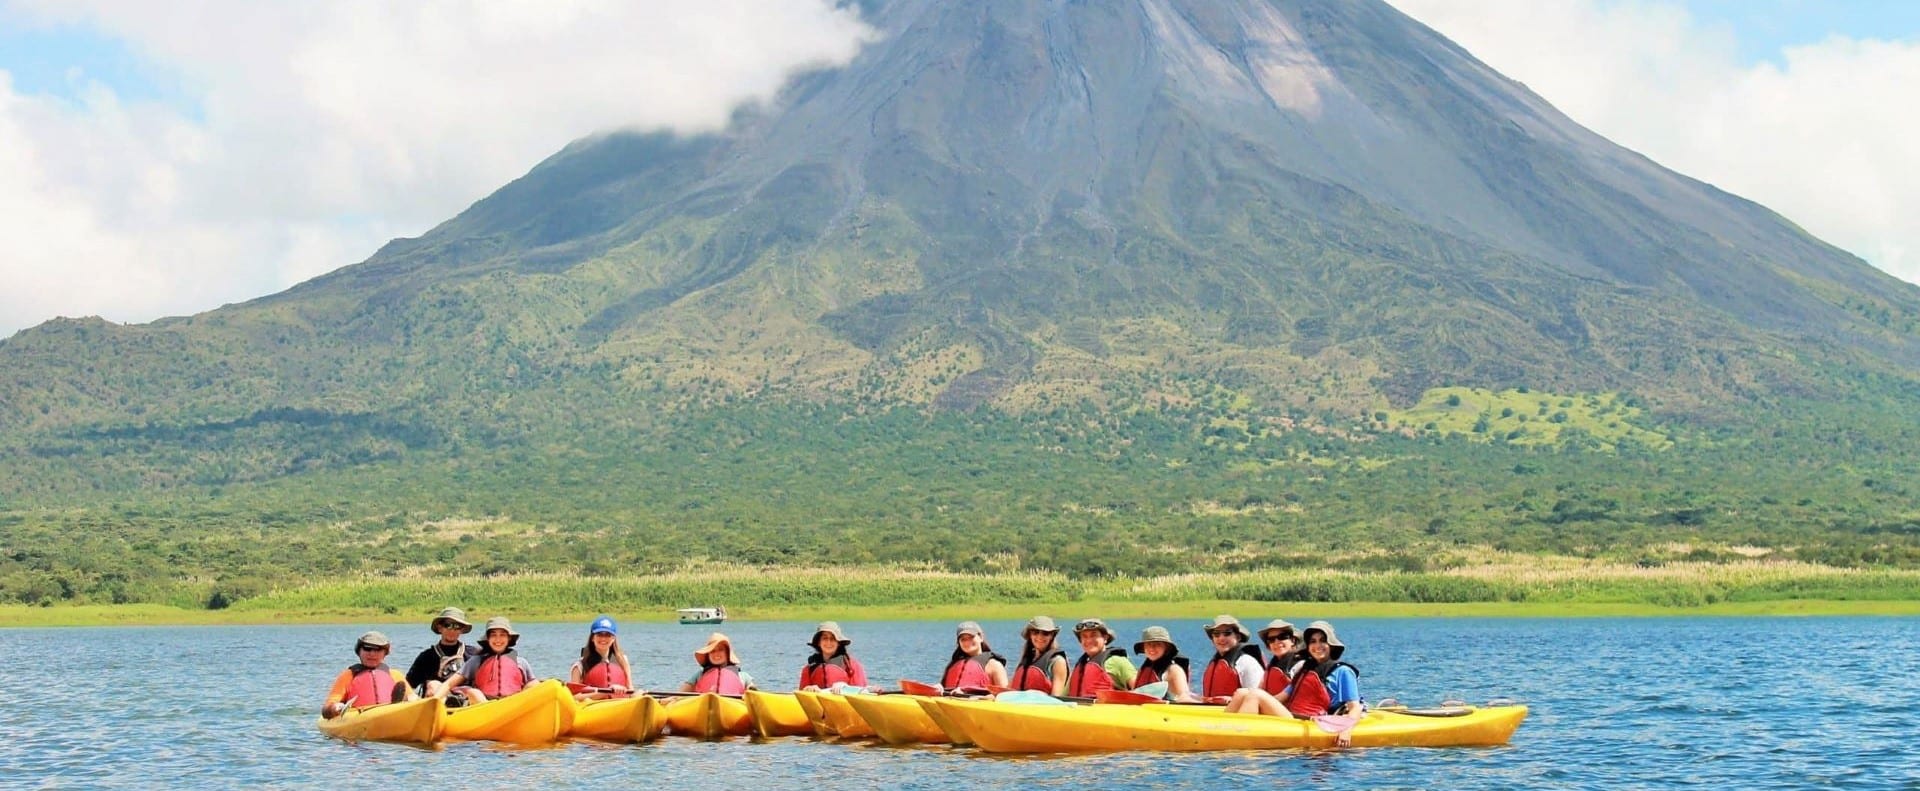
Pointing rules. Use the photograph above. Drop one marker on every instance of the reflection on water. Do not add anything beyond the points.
(1751, 702)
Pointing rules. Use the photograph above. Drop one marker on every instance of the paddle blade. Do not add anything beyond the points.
(1123, 697)
(912, 687)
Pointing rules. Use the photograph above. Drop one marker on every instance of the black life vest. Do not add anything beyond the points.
(1035, 672)
(1221, 678)
(1153, 672)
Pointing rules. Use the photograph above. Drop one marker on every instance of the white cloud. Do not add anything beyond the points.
(1830, 138)
(324, 128)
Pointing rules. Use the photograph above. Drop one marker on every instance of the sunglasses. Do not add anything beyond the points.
(438, 625)
(1279, 638)
(1221, 632)
(365, 647)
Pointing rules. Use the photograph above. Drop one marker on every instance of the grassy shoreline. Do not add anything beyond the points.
(1517, 587)
(16, 616)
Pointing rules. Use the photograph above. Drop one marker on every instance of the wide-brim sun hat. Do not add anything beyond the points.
(453, 614)
(1278, 625)
(832, 628)
(1153, 634)
(501, 622)
(374, 639)
(1094, 625)
(1227, 621)
(1334, 647)
(1041, 624)
(714, 641)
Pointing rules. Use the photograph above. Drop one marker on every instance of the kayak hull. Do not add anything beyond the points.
(777, 714)
(897, 719)
(640, 718)
(407, 722)
(955, 736)
(540, 714)
(839, 713)
(709, 716)
(816, 714)
(1017, 728)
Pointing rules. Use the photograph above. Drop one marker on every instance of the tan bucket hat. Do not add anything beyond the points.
(1094, 625)
(1334, 647)
(501, 622)
(1153, 634)
(1225, 622)
(453, 614)
(374, 639)
(1278, 625)
(1040, 623)
(832, 628)
(714, 641)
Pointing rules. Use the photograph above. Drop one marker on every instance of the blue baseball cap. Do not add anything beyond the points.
(603, 624)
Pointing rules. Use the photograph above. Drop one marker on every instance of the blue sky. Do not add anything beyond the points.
(1764, 27)
(59, 61)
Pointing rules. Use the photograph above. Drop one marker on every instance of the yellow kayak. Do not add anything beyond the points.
(816, 713)
(777, 714)
(840, 715)
(409, 722)
(1027, 728)
(955, 736)
(539, 714)
(709, 716)
(639, 718)
(897, 719)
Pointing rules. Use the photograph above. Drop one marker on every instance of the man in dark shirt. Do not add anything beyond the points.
(444, 658)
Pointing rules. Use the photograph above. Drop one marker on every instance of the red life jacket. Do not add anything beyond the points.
(841, 669)
(1090, 674)
(1150, 673)
(724, 679)
(499, 676)
(371, 686)
(1309, 698)
(968, 670)
(1221, 679)
(604, 674)
(1031, 675)
(1276, 680)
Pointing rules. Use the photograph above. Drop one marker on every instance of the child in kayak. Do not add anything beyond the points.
(497, 671)
(603, 668)
(974, 665)
(368, 682)
(1043, 666)
(1161, 662)
(437, 662)
(1235, 665)
(830, 663)
(1101, 666)
(719, 669)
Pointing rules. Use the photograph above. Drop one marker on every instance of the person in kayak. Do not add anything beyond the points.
(830, 663)
(1043, 666)
(1160, 661)
(497, 671)
(1235, 665)
(437, 662)
(974, 665)
(1282, 645)
(603, 667)
(1323, 685)
(719, 669)
(1101, 666)
(368, 682)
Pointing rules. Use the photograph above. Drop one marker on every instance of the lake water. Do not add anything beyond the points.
(1622, 703)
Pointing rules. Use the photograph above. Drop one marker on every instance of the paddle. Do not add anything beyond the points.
(1125, 697)
(578, 688)
(910, 687)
